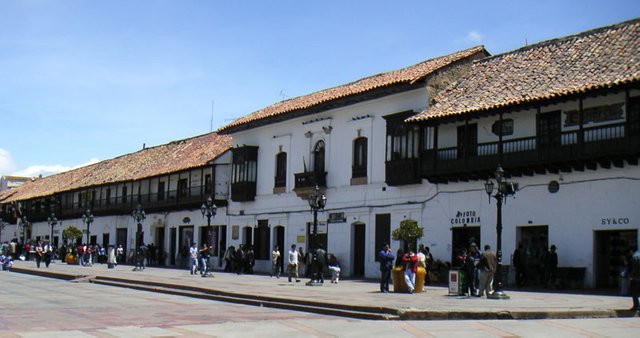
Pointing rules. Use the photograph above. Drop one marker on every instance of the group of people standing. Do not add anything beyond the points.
(409, 262)
(240, 260)
(312, 264)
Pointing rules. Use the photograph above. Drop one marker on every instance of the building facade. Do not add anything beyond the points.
(561, 117)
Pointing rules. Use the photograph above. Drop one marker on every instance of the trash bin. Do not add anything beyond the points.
(456, 282)
(399, 285)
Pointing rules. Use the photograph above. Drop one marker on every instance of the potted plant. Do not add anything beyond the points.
(71, 235)
(408, 234)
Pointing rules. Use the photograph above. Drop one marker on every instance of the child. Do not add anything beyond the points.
(334, 266)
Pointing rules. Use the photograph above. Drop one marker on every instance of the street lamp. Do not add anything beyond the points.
(317, 200)
(87, 218)
(139, 216)
(504, 189)
(52, 220)
(209, 211)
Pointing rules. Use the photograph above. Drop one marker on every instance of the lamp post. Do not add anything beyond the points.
(209, 211)
(52, 220)
(87, 218)
(317, 200)
(504, 189)
(139, 216)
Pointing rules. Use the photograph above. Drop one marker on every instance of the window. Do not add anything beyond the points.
(208, 184)
(281, 170)
(359, 167)
(318, 157)
(183, 187)
(244, 173)
(402, 139)
(124, 194)
(108, 196)
(161, 191)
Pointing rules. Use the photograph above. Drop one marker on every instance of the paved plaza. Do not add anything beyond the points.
(435, 303)
(44, 307)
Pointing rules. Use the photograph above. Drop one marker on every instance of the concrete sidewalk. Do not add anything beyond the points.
(353, 295)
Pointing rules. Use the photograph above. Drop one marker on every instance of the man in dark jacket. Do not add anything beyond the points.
(386, 265)
(320, 263)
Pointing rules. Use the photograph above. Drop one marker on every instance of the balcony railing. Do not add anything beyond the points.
(588, 144)
(310, 180)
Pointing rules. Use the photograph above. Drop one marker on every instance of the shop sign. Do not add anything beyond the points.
(466, 218)
(336, 217)
(615, 221)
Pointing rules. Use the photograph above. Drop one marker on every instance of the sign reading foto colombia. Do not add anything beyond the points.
(466, 218)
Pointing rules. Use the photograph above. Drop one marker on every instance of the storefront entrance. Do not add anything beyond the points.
(462, 237)
(535, 243)
(610, 247)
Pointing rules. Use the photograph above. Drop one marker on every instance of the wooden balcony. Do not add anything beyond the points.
(307, 181)
(243, 191)
(577, 150)
(402, 172)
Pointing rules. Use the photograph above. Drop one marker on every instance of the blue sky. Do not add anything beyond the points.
(82, 81)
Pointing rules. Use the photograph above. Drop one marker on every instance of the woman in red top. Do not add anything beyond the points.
(410, 260)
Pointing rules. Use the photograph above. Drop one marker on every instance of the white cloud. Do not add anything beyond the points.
(472, 37)
(46, 170)
(7, 164)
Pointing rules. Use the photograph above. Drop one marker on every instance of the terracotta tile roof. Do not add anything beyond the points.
(409, 75)
(153, 161)
(595, 59)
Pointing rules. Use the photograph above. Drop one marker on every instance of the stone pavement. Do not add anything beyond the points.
(352, 296)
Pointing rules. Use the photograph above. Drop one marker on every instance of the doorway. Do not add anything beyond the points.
(122, 239)
(279, 237)
(610, 247)
(358, 244)
(159, 244)
(222, 247)
(172, 246)
(462, 237)
(535, 242)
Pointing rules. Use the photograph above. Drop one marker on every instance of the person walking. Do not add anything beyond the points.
(552, 267)
(204, 259)
(39, 253)
(488, 264)
(120, 255)
(48, 253)
(275, 262)
(634, 275)
(386, 265)
(410, 260)
(292, 267)
(320, 263)
(193, 258)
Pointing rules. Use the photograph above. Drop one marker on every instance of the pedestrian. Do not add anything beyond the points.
(39, 253)
(193, 258)
(386, 265)
(229, 258)
(552, 267)
(120, 254)
(240, 259)
(488, 264)
(410, 260)
(204, 259)
(250, 259)
(292, 267)
(275, 262)
(634, 275)
(48, 253)
(519, 265)
(304, 269)
(334, 267)
(470, 270)
(320, 263)
(475, 253)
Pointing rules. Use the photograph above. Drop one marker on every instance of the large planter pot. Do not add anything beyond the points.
(71, 259)
(399, 285)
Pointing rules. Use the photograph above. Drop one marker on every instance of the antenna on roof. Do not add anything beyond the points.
(282, 94)
(211, 122)
(526, 43)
